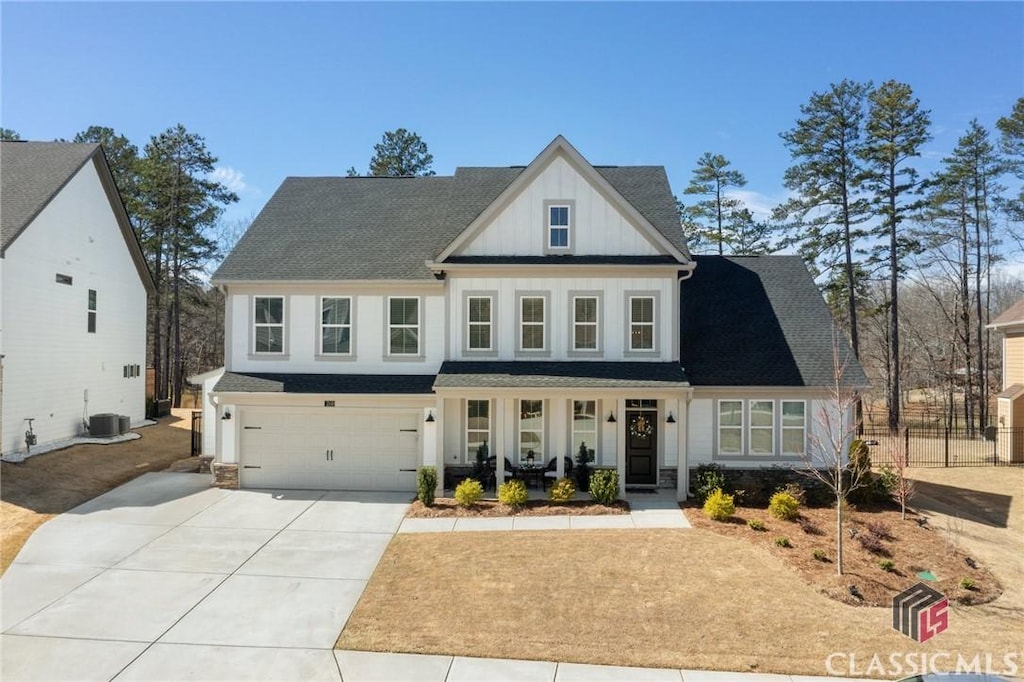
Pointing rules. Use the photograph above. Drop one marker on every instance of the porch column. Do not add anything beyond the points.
(683, 469)
(498, 444)
(556, 425)
(620, 444)
(439, 445)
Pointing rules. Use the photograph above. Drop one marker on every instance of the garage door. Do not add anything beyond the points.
(336, 451)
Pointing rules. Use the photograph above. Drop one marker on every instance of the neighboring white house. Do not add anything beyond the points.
(74, 288)
(374, 325)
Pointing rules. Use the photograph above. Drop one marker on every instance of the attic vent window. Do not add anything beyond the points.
(64, 279)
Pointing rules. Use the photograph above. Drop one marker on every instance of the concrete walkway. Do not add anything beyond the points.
(657, 509)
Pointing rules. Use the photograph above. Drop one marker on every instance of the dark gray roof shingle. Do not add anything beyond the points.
(31, 173)
(521, 374)
(758, 321)
(259, 382)
(387, 228)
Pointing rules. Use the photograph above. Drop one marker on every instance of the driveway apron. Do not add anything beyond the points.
(168, 578)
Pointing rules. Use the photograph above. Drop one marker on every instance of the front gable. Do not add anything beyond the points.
(561, 192)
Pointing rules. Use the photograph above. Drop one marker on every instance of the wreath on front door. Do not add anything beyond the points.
(640, 427)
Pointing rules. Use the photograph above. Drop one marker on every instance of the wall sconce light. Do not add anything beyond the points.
(671, 419)
(430, 417)
(611, 418)
(226, 416)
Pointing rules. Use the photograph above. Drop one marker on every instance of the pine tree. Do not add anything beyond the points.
(712, 178)
(401, 153)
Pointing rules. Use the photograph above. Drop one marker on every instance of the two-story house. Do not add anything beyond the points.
(375, 325)
(1010, 402)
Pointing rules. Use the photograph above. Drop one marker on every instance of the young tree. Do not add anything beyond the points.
(401, 153)
(750, 237)
(896, 129)
(711, 178)
(897, 483)
(8, 135)
(826, 176)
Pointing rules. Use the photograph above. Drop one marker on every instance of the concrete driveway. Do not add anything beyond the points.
(167, 578)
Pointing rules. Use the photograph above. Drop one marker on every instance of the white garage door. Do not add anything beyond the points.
(334, 451)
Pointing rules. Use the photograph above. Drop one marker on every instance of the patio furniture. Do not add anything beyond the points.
(492, 471)
(551, 472)
(531, 473)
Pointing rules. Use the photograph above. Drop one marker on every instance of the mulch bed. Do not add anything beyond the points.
(445, 506)
(911, 548)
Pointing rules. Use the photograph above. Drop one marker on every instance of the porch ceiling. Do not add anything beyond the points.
(656, 375)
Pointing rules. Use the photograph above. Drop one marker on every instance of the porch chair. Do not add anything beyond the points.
(551, 471)
(492, 469)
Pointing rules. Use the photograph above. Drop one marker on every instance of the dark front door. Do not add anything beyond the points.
(641, 447)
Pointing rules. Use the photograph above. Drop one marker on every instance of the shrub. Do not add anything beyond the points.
(480, 463)
(604, 486)
(886, 565)
(860, 458)
(967, 583)
(808, 526)
(879, 529)
(581, 472)
(783, 506)
(562, 491)
(468, 492)
(782, 542)
(871, 543)
(796, 491)
(513, 493)
(710, 477)
(755, 524)
(426, 484)
(719, 506)
(820, 555)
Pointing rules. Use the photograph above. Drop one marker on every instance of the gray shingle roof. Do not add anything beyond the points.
(1012, 315)
(563, 260)
(257, 382)
(758, 321)
(31, 173)
(386, 228)
(560, 375)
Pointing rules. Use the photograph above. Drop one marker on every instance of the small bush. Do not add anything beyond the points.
(879, 529)
(871, 543)
(604, 486)
(784, 506)
(562, 491)
(710, 477)
(513, 493)
(886, 565)
(796, 490)
(967, 583)
(782, 542)
(820, 555)
(468, 492)
(719, 506)
(808, 526)
(426, 484)
(755, 524)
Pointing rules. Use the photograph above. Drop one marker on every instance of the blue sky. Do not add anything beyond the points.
(308, 88)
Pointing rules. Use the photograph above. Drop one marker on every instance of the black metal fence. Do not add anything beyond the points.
(938, 446)
(197, 432)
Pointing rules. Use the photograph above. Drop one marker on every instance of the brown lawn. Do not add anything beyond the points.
(677, 598)
(36, 490)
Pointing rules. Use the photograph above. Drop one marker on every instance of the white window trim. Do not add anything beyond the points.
(540, 457)
(471, 456)
(470, 323)
(322, 326)
(283, 325)
(418, 327)
(566, 228)
(593, 444)
(543, 324)
(750, 427)
(596, 324)
(653, 324)
(783, 428)
(741, 426)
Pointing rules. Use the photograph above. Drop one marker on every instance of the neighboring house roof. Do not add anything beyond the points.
(1013, 315)
(542, 374)
(759, 321)
(33, 173)
(1012, 392)
(197, 379)
(372, 228)
(259, 382)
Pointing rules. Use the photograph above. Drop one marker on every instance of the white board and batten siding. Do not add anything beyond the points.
(302, 333)
(54, 369)
(599, 227)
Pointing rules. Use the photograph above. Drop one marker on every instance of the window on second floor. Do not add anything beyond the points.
(531, 318)
(480, 322)
(584, 330)
(404, 326)
(558, 227)
(641, 323)
(268, 324)
(91, 323)
(336, 325)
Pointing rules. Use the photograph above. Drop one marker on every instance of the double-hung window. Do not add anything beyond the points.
(336, 325)
(480, 322)
(531, 430)
(584, 332)
(404, 326)
(268, 324)
(730, 427)
(641, 323)
(794, 427)
(762, 427)
(558, 227)
(91, 322)
(584, 425)
(478, 426)
(531, 318)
